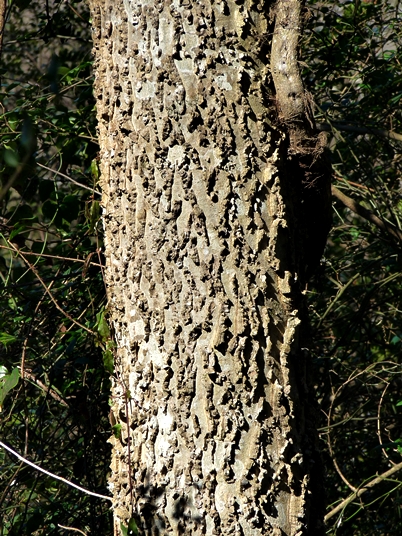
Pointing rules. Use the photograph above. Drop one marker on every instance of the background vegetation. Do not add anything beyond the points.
(353, 52)
(52, 295)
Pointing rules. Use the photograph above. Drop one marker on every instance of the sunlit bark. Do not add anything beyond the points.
(202, 243)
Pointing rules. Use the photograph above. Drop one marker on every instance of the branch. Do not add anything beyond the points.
(47, 389)
(3, 16)
(68, 178)
(72, 528)
(362, 490)
(356, 207)
(70, 259)
(35, 271)
(360, 130)
(9, 449)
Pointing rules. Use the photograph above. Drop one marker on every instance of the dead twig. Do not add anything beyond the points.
(35, 271)
(357, 208)
(21, 458)
(362, 489)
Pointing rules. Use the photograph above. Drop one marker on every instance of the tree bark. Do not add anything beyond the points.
(202, 217)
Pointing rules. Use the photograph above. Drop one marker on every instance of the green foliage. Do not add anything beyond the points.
(7, 382)
(353, 52)
(117, 430)
(52, 300)
(102, 326)
(108, 359)
(52, 293)
(5, 339)
(132, 528)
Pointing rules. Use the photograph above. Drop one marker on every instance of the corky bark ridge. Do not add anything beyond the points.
(201, 274)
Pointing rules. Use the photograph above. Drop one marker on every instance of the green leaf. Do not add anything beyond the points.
(94, 214)
(11, 158)
(399, 403)
(117, 430)
(16, 231)
(95, 170)
(131, 530)
(132, 527)
(5, 338)
(395, 99)
(7, 383)
(101, 325)
(355, 233)
(108, 361)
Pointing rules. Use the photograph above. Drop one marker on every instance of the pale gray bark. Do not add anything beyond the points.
(202, 256)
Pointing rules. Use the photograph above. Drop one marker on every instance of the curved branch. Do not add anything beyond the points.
(9, 449)
(35, 271)
(357, 208)
(327, 127)
(361, 490)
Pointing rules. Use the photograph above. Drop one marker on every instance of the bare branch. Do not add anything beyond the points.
(70, 259)
(328, 127)
(35, 271)
(363, 489)
(69, 178)
(72, 528)
(357, 208)
(9, 449)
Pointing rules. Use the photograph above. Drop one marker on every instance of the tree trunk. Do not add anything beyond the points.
(204, 269)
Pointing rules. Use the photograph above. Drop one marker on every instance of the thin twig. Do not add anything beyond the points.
(72, 528)
(45, 388)
(355, 184)
(69, 178)
(9, 449)
(361, 490)
(334, 397)
(338, 470)
(379, 424)
(71, 259)
(35, 271)
(357, 208)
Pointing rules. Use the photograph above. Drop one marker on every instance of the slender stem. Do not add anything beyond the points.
(357, 208)
(68, 178)
(47, 289)
(9, 449)
(365, 487)
(72, 528)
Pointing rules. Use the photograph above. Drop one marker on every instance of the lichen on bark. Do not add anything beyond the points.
(201, 273)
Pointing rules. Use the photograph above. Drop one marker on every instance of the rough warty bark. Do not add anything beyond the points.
(201, 245)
